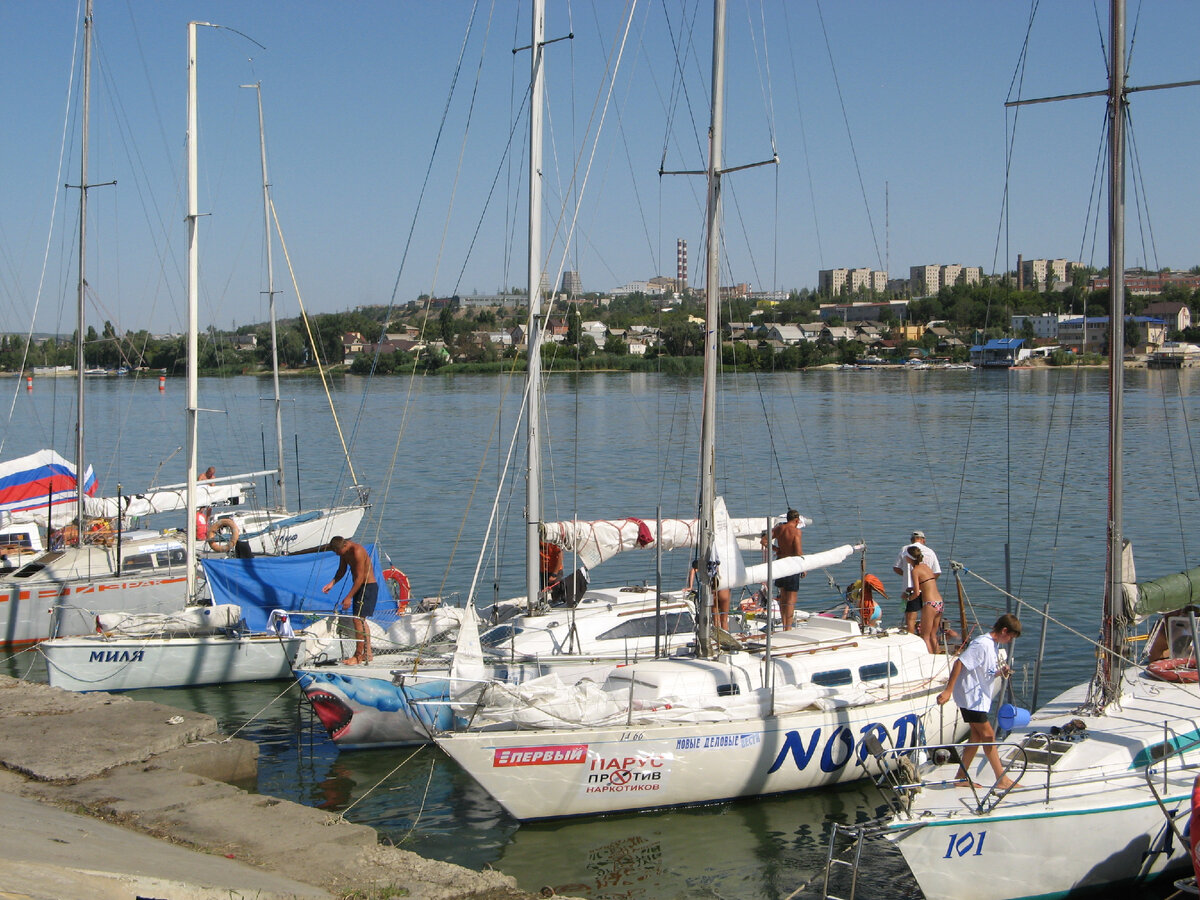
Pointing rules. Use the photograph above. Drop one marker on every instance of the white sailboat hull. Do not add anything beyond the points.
(539, 775)
(272, 534)
(361, 706)
(93, 663)
(1097, 823)
(59, 592)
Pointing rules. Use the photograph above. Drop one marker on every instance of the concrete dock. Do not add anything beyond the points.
(107, 797)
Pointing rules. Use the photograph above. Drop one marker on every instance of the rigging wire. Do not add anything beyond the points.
(787, 25)
(62, 150)
(849, 135)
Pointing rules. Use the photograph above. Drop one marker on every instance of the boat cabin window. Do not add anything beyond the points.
(166, 558)
(16, 539)
(643, 626)
(501, 634)
(877, 671)
(137, 561)
(833, 678)
(158, 559)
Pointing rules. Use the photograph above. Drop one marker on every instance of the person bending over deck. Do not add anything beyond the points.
(970, 685)
(363, 591)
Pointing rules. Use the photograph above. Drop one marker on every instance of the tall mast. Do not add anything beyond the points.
(193, 304)
(712, 336)
(280, 487)
(81, 312)
(533, 478)
(1114, 631)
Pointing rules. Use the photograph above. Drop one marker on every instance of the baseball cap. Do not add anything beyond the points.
(918, 534)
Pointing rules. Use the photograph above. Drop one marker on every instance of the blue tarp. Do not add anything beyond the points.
(292, 583)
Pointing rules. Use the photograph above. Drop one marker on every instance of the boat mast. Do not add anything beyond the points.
(533, 477)
(193, 303)
(280, 488)
(1114, 619)
(712, 336)
(80, 310)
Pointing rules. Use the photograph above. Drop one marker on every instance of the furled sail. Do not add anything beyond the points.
(1169, 593)
(167, 499)
(601, 539)
(39, 486)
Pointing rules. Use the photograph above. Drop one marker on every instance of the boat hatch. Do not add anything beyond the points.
(1181, 743)
(672, 623)
(1040, 750)
(494, 637)
(833, 678)
(34, 567)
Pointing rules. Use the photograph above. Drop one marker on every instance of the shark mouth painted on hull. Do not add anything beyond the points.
(333, 712)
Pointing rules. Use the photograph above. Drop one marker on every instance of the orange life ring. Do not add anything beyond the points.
(1180, 671)
(224, 535)
(397, 583)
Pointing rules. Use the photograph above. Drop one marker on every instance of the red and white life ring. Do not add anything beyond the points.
(397, 583)
(1179, 670)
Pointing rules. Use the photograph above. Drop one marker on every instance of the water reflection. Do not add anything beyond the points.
(754, 849)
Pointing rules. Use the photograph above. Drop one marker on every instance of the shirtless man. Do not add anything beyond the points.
(363, 591)
(787, 543)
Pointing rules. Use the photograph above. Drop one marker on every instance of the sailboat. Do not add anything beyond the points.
(276, 531)
(97, 560)
(1099, 765)
(55, 592)
(791, 712)
(188, 645)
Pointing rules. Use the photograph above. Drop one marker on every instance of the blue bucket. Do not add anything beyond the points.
(1010, 717)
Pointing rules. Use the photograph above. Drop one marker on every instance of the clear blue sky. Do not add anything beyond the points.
(354, 93)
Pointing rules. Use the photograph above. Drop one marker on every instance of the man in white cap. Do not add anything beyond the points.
(903, 567)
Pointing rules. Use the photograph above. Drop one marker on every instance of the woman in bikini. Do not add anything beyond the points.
(925, 587)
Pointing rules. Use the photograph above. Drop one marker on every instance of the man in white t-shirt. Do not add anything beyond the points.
(903, 567)
(970, 685)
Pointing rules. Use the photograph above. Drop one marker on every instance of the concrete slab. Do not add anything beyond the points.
(55, 854)
(88, 741)
(144, 766)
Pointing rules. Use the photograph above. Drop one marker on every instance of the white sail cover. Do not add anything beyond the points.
(191, 620)
(601, 539)
(167, 499)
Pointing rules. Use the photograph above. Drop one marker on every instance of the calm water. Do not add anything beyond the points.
(978, 460)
